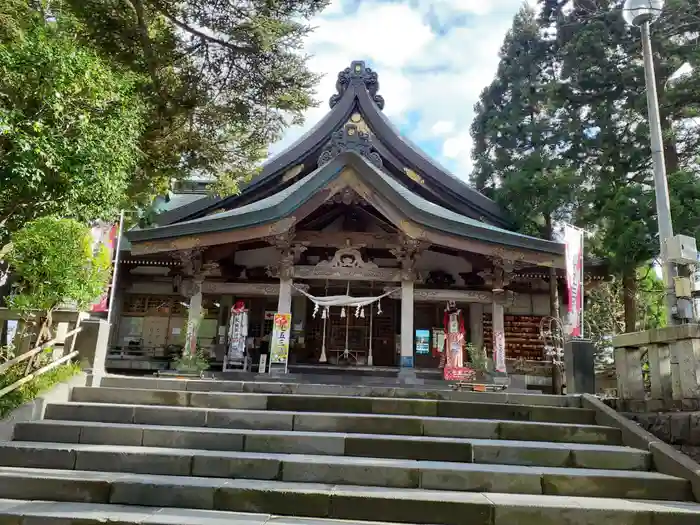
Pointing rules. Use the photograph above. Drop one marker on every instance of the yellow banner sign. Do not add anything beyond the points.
(281, 332)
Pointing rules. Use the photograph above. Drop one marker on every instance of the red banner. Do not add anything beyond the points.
(104, 235)
(459, 374)
(573, 238)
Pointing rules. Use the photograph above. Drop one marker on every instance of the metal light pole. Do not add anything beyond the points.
(641, 13)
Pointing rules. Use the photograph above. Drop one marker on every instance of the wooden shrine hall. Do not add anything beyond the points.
(351, 208)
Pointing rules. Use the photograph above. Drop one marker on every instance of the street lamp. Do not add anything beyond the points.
(641, 13)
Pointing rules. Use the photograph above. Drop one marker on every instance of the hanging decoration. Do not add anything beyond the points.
(454, 355)
(237, 336)
(324, 315)
(343, 301)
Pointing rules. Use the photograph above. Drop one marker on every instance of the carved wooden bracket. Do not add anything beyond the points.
(503, 271)
(289, 253)
(406, 252)
(191, 260)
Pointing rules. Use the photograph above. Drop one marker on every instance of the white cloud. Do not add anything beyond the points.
(442, 127)
(427, 69)
(457, 146)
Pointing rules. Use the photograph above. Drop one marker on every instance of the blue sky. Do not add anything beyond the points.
(433, 58)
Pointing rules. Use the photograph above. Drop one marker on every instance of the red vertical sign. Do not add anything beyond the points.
(573, 239)
(104, 235)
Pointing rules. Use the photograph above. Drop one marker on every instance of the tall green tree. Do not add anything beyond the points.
(601, 64)
(69, 127)
(223, 79)
(185, 87)
(522, 150)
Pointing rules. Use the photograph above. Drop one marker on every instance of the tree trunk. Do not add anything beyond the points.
(629, 297)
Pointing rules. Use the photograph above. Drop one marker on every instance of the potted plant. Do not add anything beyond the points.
(479, 362)
(191, 364)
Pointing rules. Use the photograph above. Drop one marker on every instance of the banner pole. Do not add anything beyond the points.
(117, 254)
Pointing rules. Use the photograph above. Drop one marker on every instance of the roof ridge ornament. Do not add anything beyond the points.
(349, 138)
(355, 75)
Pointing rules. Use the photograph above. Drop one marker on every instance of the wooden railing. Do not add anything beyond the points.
(659, 369)
(63, 341)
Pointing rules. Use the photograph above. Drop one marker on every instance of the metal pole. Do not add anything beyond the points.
(113, 288)
(663, 206)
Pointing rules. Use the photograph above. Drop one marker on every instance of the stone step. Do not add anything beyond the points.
(334, 404)
(335, 422)
(336, 501)
(334, 443)
(517, 510)
(22, 512)
(210, 385)
(358, 470)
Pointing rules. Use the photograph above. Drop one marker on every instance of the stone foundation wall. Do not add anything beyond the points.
(679, 429)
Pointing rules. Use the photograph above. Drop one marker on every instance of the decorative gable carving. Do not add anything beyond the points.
(349, 257)
(357, 75)
(350, 138)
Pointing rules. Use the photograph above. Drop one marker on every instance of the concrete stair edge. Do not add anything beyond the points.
(273, 465)
(319, 500)
(27, 512)
(390, 425)
(492, 451)
(276, 387)
(334, 404)
(515, 509)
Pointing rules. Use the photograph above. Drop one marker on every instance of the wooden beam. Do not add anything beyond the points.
(341, 239)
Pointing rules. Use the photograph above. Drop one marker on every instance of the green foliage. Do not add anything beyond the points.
(33, 388)
(224, 79)
(605, 310)
(191, 362)
(521, 149)
(105, 103)
(54, 263)
(562, 132)
(477, 358)
(69, 128)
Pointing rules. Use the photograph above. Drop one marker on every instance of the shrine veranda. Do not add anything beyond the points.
(351, 209)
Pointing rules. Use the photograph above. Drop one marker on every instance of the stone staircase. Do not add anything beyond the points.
(168, 451)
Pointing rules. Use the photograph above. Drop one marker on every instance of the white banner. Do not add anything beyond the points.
(573, 239)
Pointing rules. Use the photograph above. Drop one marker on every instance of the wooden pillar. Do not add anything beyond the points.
(499, 337)
(476, 325)
(501, 276)
(284, 302)
(406, 323)
(406, 252)
(194, 315)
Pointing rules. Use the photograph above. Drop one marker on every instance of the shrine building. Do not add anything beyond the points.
(352, 208)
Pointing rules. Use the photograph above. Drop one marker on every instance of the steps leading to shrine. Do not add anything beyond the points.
(151, 451)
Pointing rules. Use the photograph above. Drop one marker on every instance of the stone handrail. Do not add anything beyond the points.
(674, 369)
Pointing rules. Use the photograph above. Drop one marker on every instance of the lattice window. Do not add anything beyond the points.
(178, 308)
(159, 305)
(154, 305)
(136, 304)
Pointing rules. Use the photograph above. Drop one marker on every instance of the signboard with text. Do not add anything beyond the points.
(279, 343)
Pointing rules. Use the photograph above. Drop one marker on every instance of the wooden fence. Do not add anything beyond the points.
(62, 348)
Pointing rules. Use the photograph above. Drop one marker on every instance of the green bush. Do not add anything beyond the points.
(191, 362)
(33, 388)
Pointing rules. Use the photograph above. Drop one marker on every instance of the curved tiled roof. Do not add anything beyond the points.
(285, 202)
(357, 88)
